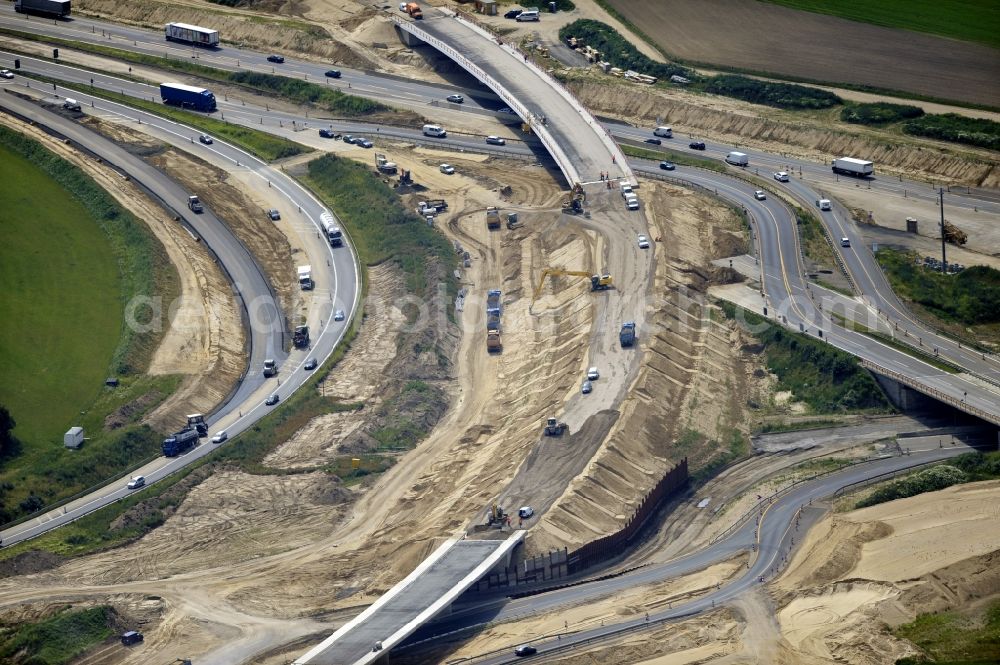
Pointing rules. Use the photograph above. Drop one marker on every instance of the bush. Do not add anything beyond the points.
(619, 51)
(956, 129)
(928, 480)
(781, 95)
(879, 113)
(970, 297)
(304, 92)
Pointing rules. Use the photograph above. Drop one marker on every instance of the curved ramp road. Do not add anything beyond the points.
(335, 271)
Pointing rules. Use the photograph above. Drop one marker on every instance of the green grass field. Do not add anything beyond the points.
(60, 278)
(967, 20)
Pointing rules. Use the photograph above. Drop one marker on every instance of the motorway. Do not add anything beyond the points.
(335, 271)
(772, 542)
(786, 291)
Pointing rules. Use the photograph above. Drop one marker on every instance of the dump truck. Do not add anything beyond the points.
(187, 96)
(413, 9)
(306, 282)
(493, 320)
(180, 442)
(494, 344)
(384, 165)
(492, 218)
(554, 427)
(191, 34)
(195, 204)
(857, 168)
(196, 421)
(331, 230)
(493, 299)
(627, 334)
(55, 8)
(270, 368)
(300, 337)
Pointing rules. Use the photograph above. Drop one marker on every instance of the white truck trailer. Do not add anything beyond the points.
(191, 34)
(330, 229)
(857, 168)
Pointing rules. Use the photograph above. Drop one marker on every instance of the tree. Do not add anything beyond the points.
(9, 446)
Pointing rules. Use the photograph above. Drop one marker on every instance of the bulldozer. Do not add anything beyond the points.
(953, 234)
(597, 282)
(555, 428)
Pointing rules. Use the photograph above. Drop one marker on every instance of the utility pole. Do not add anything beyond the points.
(944, 260)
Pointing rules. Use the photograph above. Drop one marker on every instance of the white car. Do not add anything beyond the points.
(845, 242)
(524, 512)
(6, 73)
(781, 176)
(593, 374)
(447, 169)
(496, 140)
(338, 315)
(643, 242)
(136, 482)
(220, 436)
(760, 195)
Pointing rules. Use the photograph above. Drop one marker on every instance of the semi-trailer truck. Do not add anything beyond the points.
(187, 96)
(857, 168)
(180, 442)
(191, 34)
(57, 8)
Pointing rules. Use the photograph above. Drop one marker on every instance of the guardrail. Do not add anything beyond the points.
(960, 404)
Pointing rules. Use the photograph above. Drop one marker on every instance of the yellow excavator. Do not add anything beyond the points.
(597, 282)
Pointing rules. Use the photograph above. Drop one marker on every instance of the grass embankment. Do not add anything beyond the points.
(967, 304)
(826, 379)
(671, 156)
(58, 639)
(812, 237)
(71, 261)
(967, 468)
(954, 638)
(275, 85)
(621, 53)
(381, 230)
(967, 21)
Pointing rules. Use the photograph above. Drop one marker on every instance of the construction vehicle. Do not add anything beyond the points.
(496, 517)
(405, 179)
(492, 218)
(384, 165)
(597, 282)
(953, 234)
(493, 299)
(300, 338)
(180, 442)
(195, 205)
(512, 222)
(196, 421)
(270, 368)
(431, 207)
(555, 428)
(493, 342)
(627, 334)
(413, 9)
(306, 282)
(574, 204)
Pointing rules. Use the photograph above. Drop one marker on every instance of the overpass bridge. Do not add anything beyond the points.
(581, 147)
(426, 592)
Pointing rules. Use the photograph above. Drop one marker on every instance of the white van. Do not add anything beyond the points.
(737, 159)
(824, 204)
(528, 15)
(632, 202)
(665, 132)
(71, 105)
(435, 130)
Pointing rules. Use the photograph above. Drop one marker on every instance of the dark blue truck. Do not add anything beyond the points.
(180, 442)
(187, 96)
